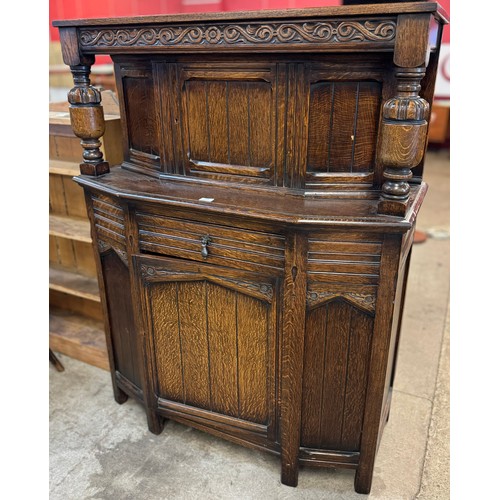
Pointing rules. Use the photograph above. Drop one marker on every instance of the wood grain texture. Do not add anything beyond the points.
(75, 304)
(166, 337)
(292, 355)
(194, 343)
(258, 217)
(385, 8)
(412, 40)
(378, 362)
(223, 335)
(70, 227)
(120, 313)
(254, 359)
(78, 337)
(73, 283)
(141, 116)
(84, 258)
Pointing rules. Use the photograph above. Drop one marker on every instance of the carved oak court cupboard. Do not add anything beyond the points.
(253, 246)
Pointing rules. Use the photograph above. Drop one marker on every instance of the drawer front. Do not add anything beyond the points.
(211, 243)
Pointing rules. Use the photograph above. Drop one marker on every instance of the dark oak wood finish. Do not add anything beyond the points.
(253, 246)
(76, 319)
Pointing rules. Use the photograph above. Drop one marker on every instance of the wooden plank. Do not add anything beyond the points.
(312, 387)
(355, 384)
(379, 354)
(222, 340)
(194, 345)
(332, 11)
(335, 372)
(217, 114)
(57, 200)
(76, 304)
(75, 200)
(65, 252)
(343, 126)
(320, 127)
(237, 103)
(260, 131)
(165, 325)
(73, 283)
(65, 148)
(70, 227)
(78, 337)
(61, 167)
(294, 313)
(84, 258)
(197, 120)
(53, 255)
(366, 126)
(253, 358)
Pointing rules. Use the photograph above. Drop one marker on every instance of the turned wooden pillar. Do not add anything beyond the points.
(86, 113)
(87, 120)
(404, 124)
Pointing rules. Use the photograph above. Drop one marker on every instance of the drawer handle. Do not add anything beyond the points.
(205, 240)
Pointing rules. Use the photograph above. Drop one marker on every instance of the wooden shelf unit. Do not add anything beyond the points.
(76, 319)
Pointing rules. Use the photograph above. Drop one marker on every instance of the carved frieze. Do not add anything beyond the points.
(364, 301)
(315, 32)
(261, 290)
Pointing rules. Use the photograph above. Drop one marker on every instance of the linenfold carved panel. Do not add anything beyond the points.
(323, 32)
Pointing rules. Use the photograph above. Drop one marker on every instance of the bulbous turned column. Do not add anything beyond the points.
(404, 132)
(87, 121)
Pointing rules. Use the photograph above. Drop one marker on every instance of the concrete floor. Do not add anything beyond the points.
(101, 450)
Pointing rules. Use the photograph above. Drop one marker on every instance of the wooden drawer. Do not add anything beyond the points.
(226, 246)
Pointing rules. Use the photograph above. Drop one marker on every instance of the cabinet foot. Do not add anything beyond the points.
(120, 396)
(155, 422)
(289, 474)
(363, 482)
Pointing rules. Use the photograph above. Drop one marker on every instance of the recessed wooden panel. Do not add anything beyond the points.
(337, 345)
(230, 127)
(124, 337)
(211, 347)
(343, 122)
(141, 114)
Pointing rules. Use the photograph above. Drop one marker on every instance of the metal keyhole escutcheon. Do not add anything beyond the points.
(205, 240)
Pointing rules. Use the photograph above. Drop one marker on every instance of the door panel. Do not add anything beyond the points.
(211, 334)
(336, 358)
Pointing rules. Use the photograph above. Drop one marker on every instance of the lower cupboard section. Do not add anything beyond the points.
(336, 358)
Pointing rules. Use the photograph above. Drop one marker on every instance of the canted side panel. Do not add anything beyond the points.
(211, 348)
(126, 349)
(140, 113)
(343, 122)
(336, 357)
(109, 220)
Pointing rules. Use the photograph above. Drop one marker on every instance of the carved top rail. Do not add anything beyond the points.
(331, 29)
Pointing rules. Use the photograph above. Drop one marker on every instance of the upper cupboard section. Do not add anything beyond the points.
(311, 124)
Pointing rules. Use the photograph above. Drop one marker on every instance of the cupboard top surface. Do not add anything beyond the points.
(334, 11)
(272, 207)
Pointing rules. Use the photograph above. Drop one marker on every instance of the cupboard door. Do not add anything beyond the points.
(211, 341)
